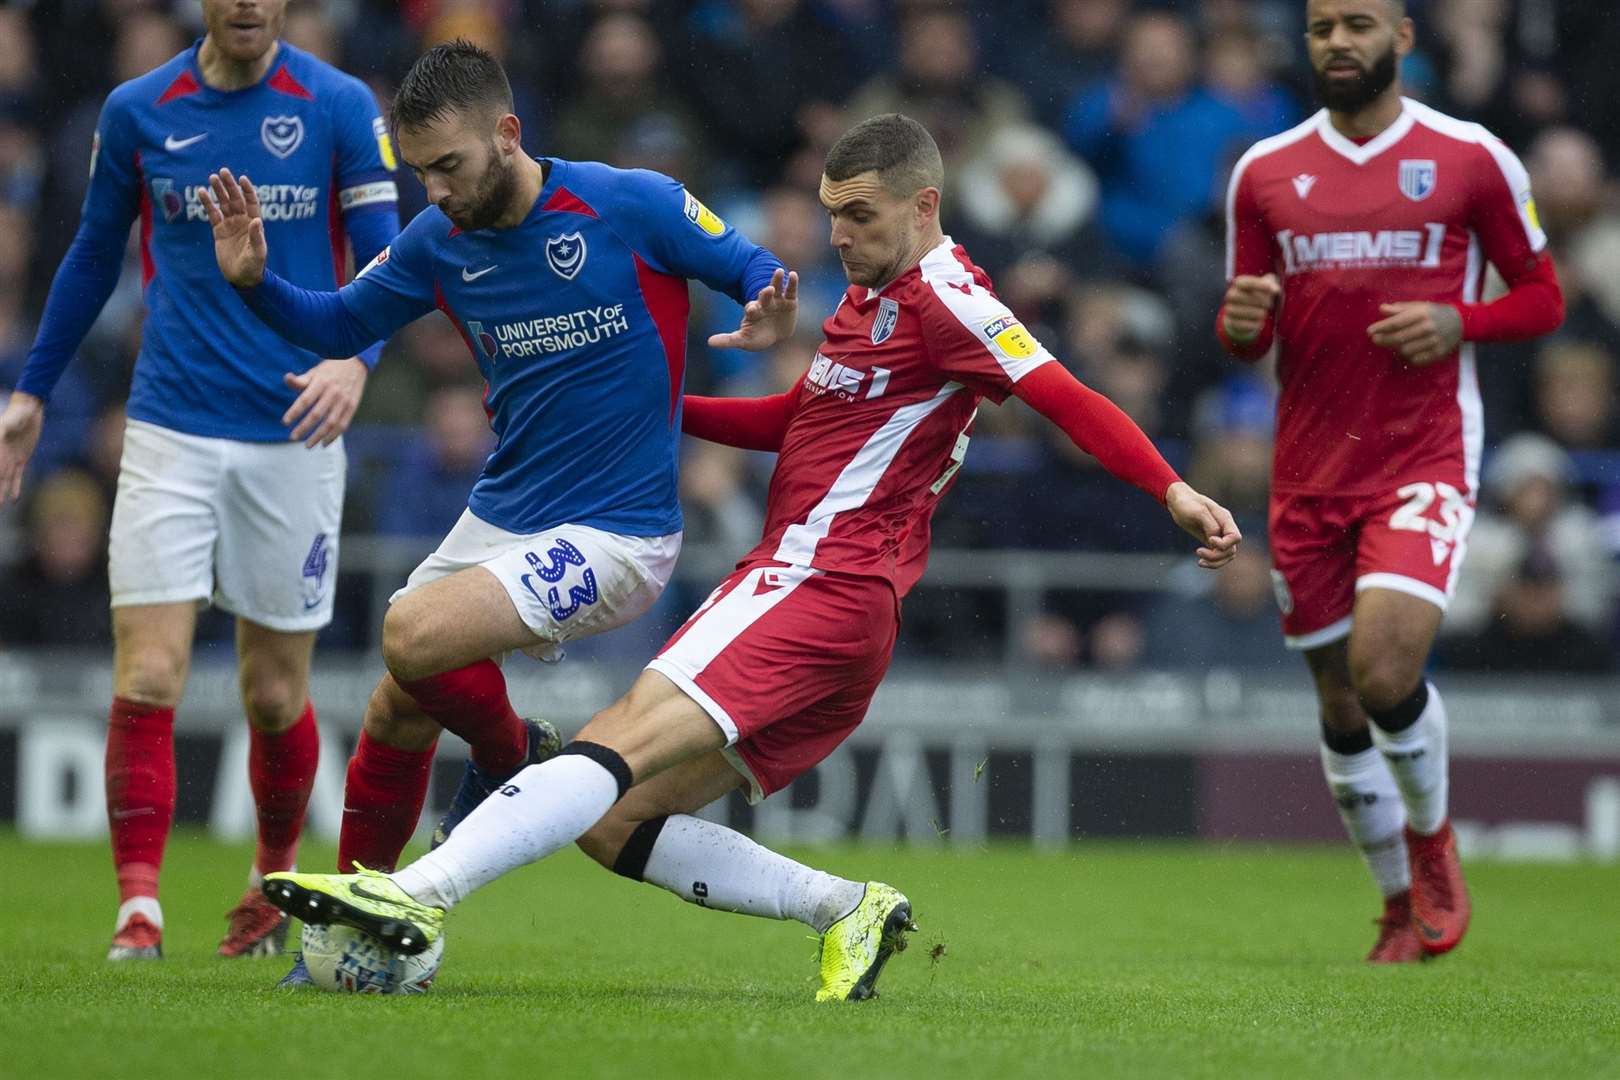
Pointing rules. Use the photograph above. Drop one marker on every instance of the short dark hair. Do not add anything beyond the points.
(456, 76)
(896, 147)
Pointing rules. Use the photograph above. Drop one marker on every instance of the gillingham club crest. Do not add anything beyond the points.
(888, 317)
(282, 135)
(1417, 179)
(566, 254)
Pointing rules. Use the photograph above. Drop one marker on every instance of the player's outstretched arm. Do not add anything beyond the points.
(767, 319)
(746, 423)
(239, 244)
(1101, 429)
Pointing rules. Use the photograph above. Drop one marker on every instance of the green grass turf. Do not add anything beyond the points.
(1109, 959)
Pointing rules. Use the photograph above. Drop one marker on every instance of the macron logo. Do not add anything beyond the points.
(1303, 184)
(171, 144)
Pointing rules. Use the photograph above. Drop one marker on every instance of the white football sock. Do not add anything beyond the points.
(139, 905)
(715, 867)
(1417, 757)
(543, 808)
(1370, 805)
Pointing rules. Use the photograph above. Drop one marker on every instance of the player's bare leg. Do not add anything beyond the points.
(1369, 802)
(151, 658)
(283, 753)
(1389, 645)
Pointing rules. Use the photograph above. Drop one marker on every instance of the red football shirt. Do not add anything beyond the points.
(1413, 214)
(881, 420)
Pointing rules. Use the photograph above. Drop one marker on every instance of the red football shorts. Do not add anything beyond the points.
(1327, 548)
(786, 660)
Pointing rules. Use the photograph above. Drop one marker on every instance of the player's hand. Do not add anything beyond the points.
(239, 245)
(767, 319)
(1419, 331)
(1248, 303)
(1207, 521)
(329, 393)
(19, 433)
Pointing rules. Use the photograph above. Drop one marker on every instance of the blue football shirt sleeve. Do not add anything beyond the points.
(365, 156)
(90, 270)
(397, 286)
(676, 234)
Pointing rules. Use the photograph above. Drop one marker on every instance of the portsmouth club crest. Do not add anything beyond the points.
(566, 254)
(282, 134)
(888, 317)
(1417, 179)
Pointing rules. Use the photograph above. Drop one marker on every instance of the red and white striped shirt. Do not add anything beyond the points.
(880, 422)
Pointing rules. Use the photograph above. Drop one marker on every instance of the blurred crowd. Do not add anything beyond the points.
(1087, 146)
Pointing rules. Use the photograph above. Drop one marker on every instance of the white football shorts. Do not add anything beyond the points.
(567, 582)
(252, 526)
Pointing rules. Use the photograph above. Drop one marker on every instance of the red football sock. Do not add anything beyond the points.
(382, 800)
(471, 702)
(281, 770)
(140, 792)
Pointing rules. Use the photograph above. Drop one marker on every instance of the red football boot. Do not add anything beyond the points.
(255, 927)
(1397, 939)
(138, 939)
(1440, 907)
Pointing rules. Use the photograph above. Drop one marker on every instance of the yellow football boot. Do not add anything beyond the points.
(855, 948)
(366, 900)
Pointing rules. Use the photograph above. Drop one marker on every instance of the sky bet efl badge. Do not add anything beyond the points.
(702, 216)
(1010, 337)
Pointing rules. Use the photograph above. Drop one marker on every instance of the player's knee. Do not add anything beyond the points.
(1384, 681)
(151, 675)
(401, 728)
(405, 646)
(273, 702)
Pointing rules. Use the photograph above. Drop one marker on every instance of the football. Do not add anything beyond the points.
(345, 960)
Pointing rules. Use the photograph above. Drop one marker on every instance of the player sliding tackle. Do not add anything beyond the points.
(1370, 224)
(569, 282)
(778, 666)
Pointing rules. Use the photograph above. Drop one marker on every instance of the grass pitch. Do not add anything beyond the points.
(1105, 960)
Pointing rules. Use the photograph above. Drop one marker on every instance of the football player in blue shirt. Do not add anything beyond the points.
(568, 281)
(214, 501)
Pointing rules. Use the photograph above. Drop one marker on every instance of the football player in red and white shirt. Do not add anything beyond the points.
(778, 666)
(1357, 245)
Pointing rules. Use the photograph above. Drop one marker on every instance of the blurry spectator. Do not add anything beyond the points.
(1576, 203)
(310, 28)
(1486, 75)
(1532, 629)
(1227, 619)
(427, 489)
(1051, 642)
(19, 62)
(1534, 524)
(1072, 47)
(938, 83)
(1155, 137)
(621, 102)
(425, 356)
(715, 502)
(58, 595)
(22, 158)
(1235, 70)
(103, 450)
(1024, 195)
(767, 74)
(1231, 460)
(1575, 395)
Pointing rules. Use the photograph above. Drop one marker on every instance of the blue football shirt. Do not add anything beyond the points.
(577, 319)
(312, 141)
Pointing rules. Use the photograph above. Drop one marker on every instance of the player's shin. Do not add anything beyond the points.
(1412, 739)
(471, 702)
(382, 801)
(1370, 806)
(140, 795)
(281, 771)
(543, 808)
(715, 867)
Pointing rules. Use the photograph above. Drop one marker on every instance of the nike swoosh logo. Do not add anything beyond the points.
(366, 894)
(1429, 932)
(171, 144)
(465, 276)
